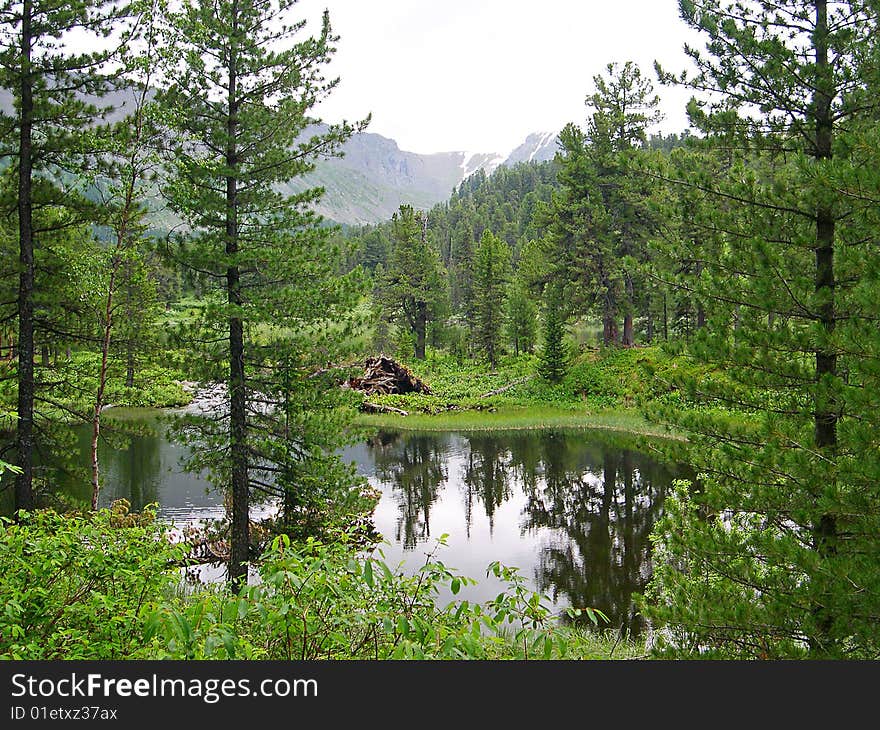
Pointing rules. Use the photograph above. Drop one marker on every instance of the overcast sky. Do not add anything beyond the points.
(479, 75)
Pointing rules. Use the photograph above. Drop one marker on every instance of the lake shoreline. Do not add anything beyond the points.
(627, 421)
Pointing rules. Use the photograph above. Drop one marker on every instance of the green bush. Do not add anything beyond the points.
(107, 585)
(78, 586)
(324, 601)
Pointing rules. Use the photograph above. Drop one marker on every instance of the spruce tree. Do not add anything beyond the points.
(491, 273)
(520, 318)
(599, 219)
(241, 85)
(553, 363)
(775, 553)
(413, 287)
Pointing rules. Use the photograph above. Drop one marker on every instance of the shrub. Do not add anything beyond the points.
(76, 586)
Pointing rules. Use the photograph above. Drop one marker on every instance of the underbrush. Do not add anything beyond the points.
(107, 586)
(596, 380)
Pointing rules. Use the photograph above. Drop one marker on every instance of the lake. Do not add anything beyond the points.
(573, 509)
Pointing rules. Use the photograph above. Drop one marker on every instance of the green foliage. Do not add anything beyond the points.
(103, 586)
(554, 350)
(78, 586)
(74, 380)
(412, 288)
(521, 319)
(277, 303)
(491, 273)
(598, 221)
(321, 601)
(773, 552)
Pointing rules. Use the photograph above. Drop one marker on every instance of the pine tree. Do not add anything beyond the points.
(554, 356)
(598, 220)
(775, 554)
(48, 135)
(414, 283)
(491, 273)
(521, 318)
(242, 83)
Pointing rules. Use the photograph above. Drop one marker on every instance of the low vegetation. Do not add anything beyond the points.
(604, 388)
(107, 585)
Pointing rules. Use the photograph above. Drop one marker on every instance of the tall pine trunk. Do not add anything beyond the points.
(628, 338)
(240, 537)
(421, 329)
(24, 489)
(609, 318)
(826, 416)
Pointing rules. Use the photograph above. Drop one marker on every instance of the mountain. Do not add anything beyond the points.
(538, 147)
(374, 176)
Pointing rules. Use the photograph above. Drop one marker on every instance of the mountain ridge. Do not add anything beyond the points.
(373, 177)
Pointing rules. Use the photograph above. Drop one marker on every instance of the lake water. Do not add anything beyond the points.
(572, 510)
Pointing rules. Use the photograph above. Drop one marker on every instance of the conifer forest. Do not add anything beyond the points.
(652, 357)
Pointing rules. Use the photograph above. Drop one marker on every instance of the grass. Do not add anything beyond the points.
(603, 390)
(516, 418)
(74, 382)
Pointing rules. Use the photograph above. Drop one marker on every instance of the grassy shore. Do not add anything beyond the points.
(603, 390)
(515, 418)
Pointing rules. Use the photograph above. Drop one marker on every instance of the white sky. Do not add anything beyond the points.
(480, 75)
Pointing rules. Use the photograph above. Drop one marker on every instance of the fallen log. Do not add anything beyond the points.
(367, 407)
(509, 386)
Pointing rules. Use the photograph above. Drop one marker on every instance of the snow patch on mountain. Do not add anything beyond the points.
(473, 161)
(538, 147)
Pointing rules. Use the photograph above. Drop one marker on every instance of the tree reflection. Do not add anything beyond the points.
(602, 502)
(486, 476)
(131, 461)
(415, 469)
(587, 503)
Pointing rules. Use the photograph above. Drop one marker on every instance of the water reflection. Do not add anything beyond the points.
(414, 469)
(601, 505)
(572, 510)
(486, 477)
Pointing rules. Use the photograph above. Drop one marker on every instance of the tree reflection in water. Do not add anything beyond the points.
(414, 466)
(485, 477)
(583, 505)
(601, 502)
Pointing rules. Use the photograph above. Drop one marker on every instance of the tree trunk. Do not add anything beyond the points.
(24, 490)
(102, 382)
(240, 537)
(628, 340)
(825, 418)
(609, 315)
(628, 330)
(420, 329)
